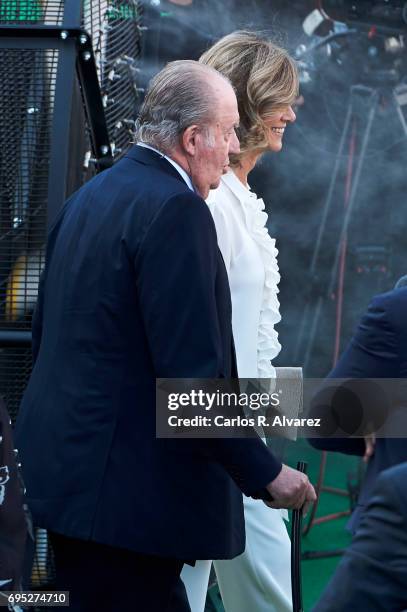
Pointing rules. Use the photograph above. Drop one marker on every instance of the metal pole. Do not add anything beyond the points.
(322, 226)
(355, 186)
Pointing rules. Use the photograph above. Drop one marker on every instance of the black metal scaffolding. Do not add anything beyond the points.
(68, 102)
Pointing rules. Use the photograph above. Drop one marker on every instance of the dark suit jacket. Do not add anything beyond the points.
(372, 575)
(134, 288)
(378, 349)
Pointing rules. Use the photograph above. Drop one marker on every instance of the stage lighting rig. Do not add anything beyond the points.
(387, 16)
(367, 39)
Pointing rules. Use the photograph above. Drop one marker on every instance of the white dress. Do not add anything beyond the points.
(260, 578)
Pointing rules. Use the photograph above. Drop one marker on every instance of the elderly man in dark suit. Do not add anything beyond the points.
(372, 575)
(135, 289)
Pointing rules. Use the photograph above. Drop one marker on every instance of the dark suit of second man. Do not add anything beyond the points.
(378, 349)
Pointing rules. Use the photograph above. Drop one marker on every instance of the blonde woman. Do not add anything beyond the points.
(266, 84)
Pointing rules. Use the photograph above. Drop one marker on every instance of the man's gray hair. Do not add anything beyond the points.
(179, 96)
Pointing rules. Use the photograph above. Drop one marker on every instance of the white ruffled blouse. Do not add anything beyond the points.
(250, 257)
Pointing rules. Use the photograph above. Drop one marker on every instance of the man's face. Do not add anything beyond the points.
(215, 141)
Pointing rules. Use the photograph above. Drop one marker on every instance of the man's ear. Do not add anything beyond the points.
(189, 139)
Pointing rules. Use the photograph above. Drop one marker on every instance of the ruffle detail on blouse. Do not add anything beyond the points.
(268, 346)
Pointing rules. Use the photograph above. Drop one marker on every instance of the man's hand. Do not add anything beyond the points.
(370, 443)
(291, 489)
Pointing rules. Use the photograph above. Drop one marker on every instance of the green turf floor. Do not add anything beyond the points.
(327, 536)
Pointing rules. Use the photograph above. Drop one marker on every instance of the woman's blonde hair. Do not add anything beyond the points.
(264, 77)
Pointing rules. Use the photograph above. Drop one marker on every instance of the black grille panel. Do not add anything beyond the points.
(29, 149)
(28, 79)
(15, 370)
(115, 30)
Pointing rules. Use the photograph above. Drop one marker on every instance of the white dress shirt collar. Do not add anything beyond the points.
(177, 167)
